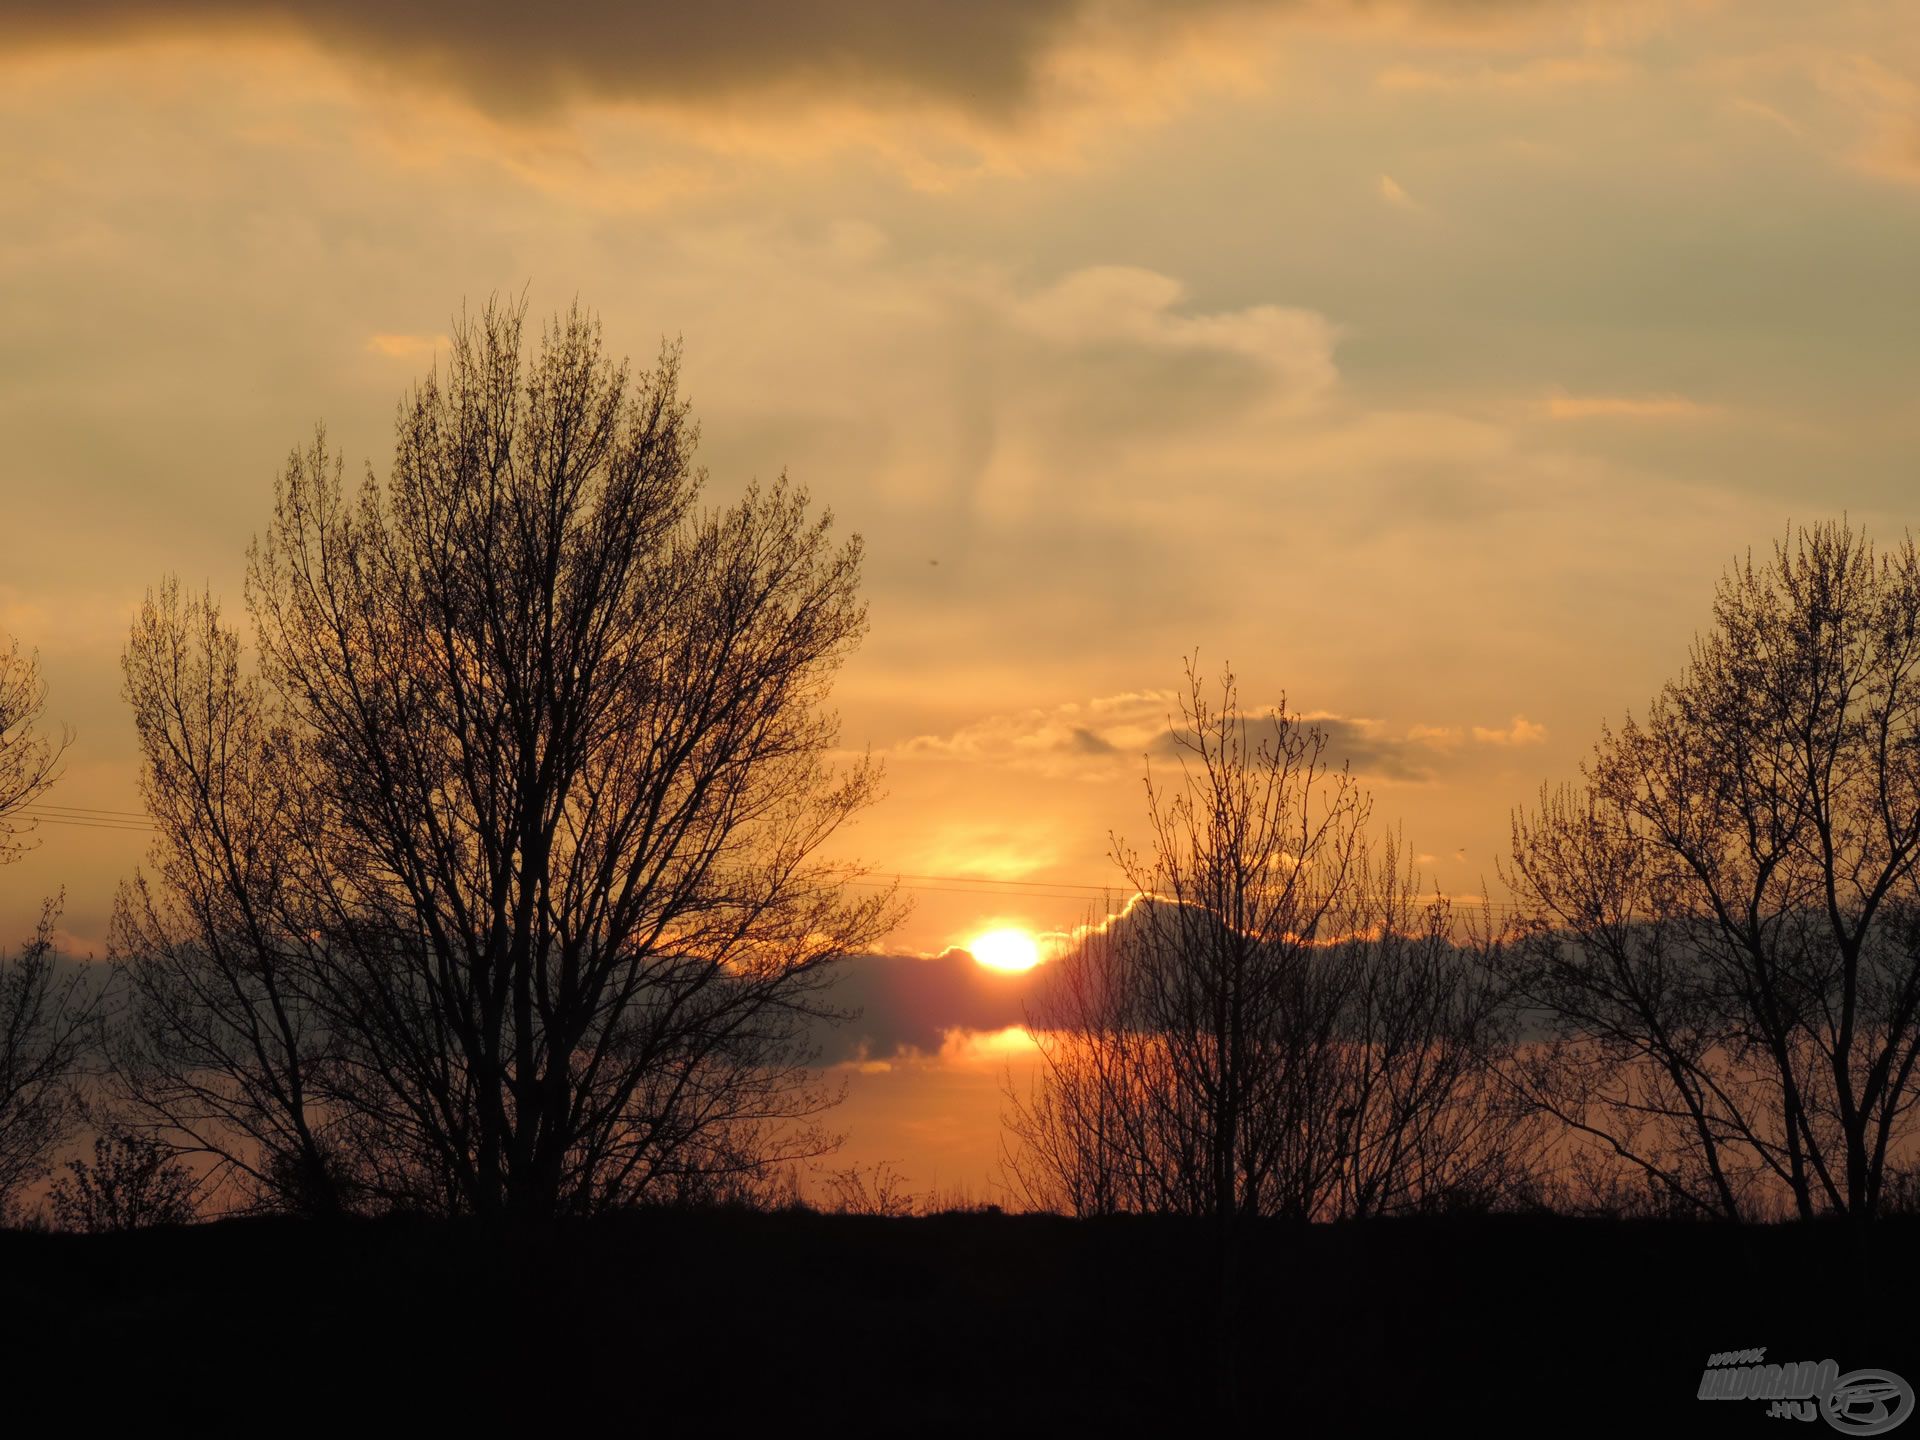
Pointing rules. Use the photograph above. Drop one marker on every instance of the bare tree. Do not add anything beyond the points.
(43, 1009)
(514, 882)
(1725, 914)
(1077, 1141)
(45, 1014)
(1256, 860)
(877, 1191)
(1424, 1020)
(1277, 1025)
(222, 1047)
(29, 761)
(129, 1184)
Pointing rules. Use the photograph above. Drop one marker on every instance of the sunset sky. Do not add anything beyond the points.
(1427, 361)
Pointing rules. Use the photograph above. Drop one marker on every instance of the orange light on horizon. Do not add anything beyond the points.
(1010, 950)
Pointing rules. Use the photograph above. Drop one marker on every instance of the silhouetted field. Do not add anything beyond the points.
(957, 1323)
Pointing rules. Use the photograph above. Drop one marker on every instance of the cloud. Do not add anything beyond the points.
(1885, 104)
(1521, 732)
(1740, 105)
(909, 1005)
(990, 58)
(1395, 194)
(1072, 739)
(1099, 738)
(92, 621)
(406, 347)
(1552, 74)
(1374, 752)
(513, 57)
(1559, 405)
(973, 382)
(1108, 306)
(1855, 99)
(949, 1010)
(940, 1007)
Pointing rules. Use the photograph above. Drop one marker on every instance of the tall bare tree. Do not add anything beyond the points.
(1725, 913)
(223, 1047)
(1256, 859)
(532, 793)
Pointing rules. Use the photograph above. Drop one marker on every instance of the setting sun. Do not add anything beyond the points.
(1011, 950)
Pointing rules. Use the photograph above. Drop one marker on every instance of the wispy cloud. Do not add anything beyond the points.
(1098, 738)
(406, 347)
(1542, 75)
(1521, 731)
(1070, 739)
(1885, 103)
(1560, 405)
(1395, 194)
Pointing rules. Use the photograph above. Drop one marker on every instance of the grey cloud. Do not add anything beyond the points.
(908, 1004)
(1368, 749)
(514, 56)
(1093, 738)
(1086, 742)
(981, 56)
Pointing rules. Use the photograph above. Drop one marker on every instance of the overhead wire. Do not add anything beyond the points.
(916, 882)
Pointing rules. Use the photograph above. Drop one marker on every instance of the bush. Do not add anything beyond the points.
(130, 1184)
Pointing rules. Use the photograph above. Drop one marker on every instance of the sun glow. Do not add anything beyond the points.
(1011, 950)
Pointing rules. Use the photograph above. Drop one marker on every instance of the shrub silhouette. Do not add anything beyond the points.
(130, 1184)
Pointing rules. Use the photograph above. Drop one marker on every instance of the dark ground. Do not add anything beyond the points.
(747, 1323)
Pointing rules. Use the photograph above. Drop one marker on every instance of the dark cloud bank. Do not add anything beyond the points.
(980, 55)
(908, 1004)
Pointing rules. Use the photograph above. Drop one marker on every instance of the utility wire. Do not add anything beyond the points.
(920, 883)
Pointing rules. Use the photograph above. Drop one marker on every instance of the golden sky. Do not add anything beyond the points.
(1425, 360)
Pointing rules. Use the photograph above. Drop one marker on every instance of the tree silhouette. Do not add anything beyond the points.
(45, 1019)
(1278, 1025)
(29, 761)
(224, 1046)
(128, 1185)
(1725, 913)
(498, 890)
(43, 1013)
(1257, 855)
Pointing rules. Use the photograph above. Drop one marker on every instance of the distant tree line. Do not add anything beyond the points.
(487, 881)
(487, 877)
(1706, 1003)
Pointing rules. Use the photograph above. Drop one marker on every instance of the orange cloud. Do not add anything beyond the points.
(406, 347)
(1562, 406)
(1395, 194)
(1539, 76)
(1521, 732)
(1885, 104)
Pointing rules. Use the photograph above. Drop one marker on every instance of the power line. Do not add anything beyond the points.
(42, 816)
(988, 890)
(1035, 884)
(917, 882)
(89, 810)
